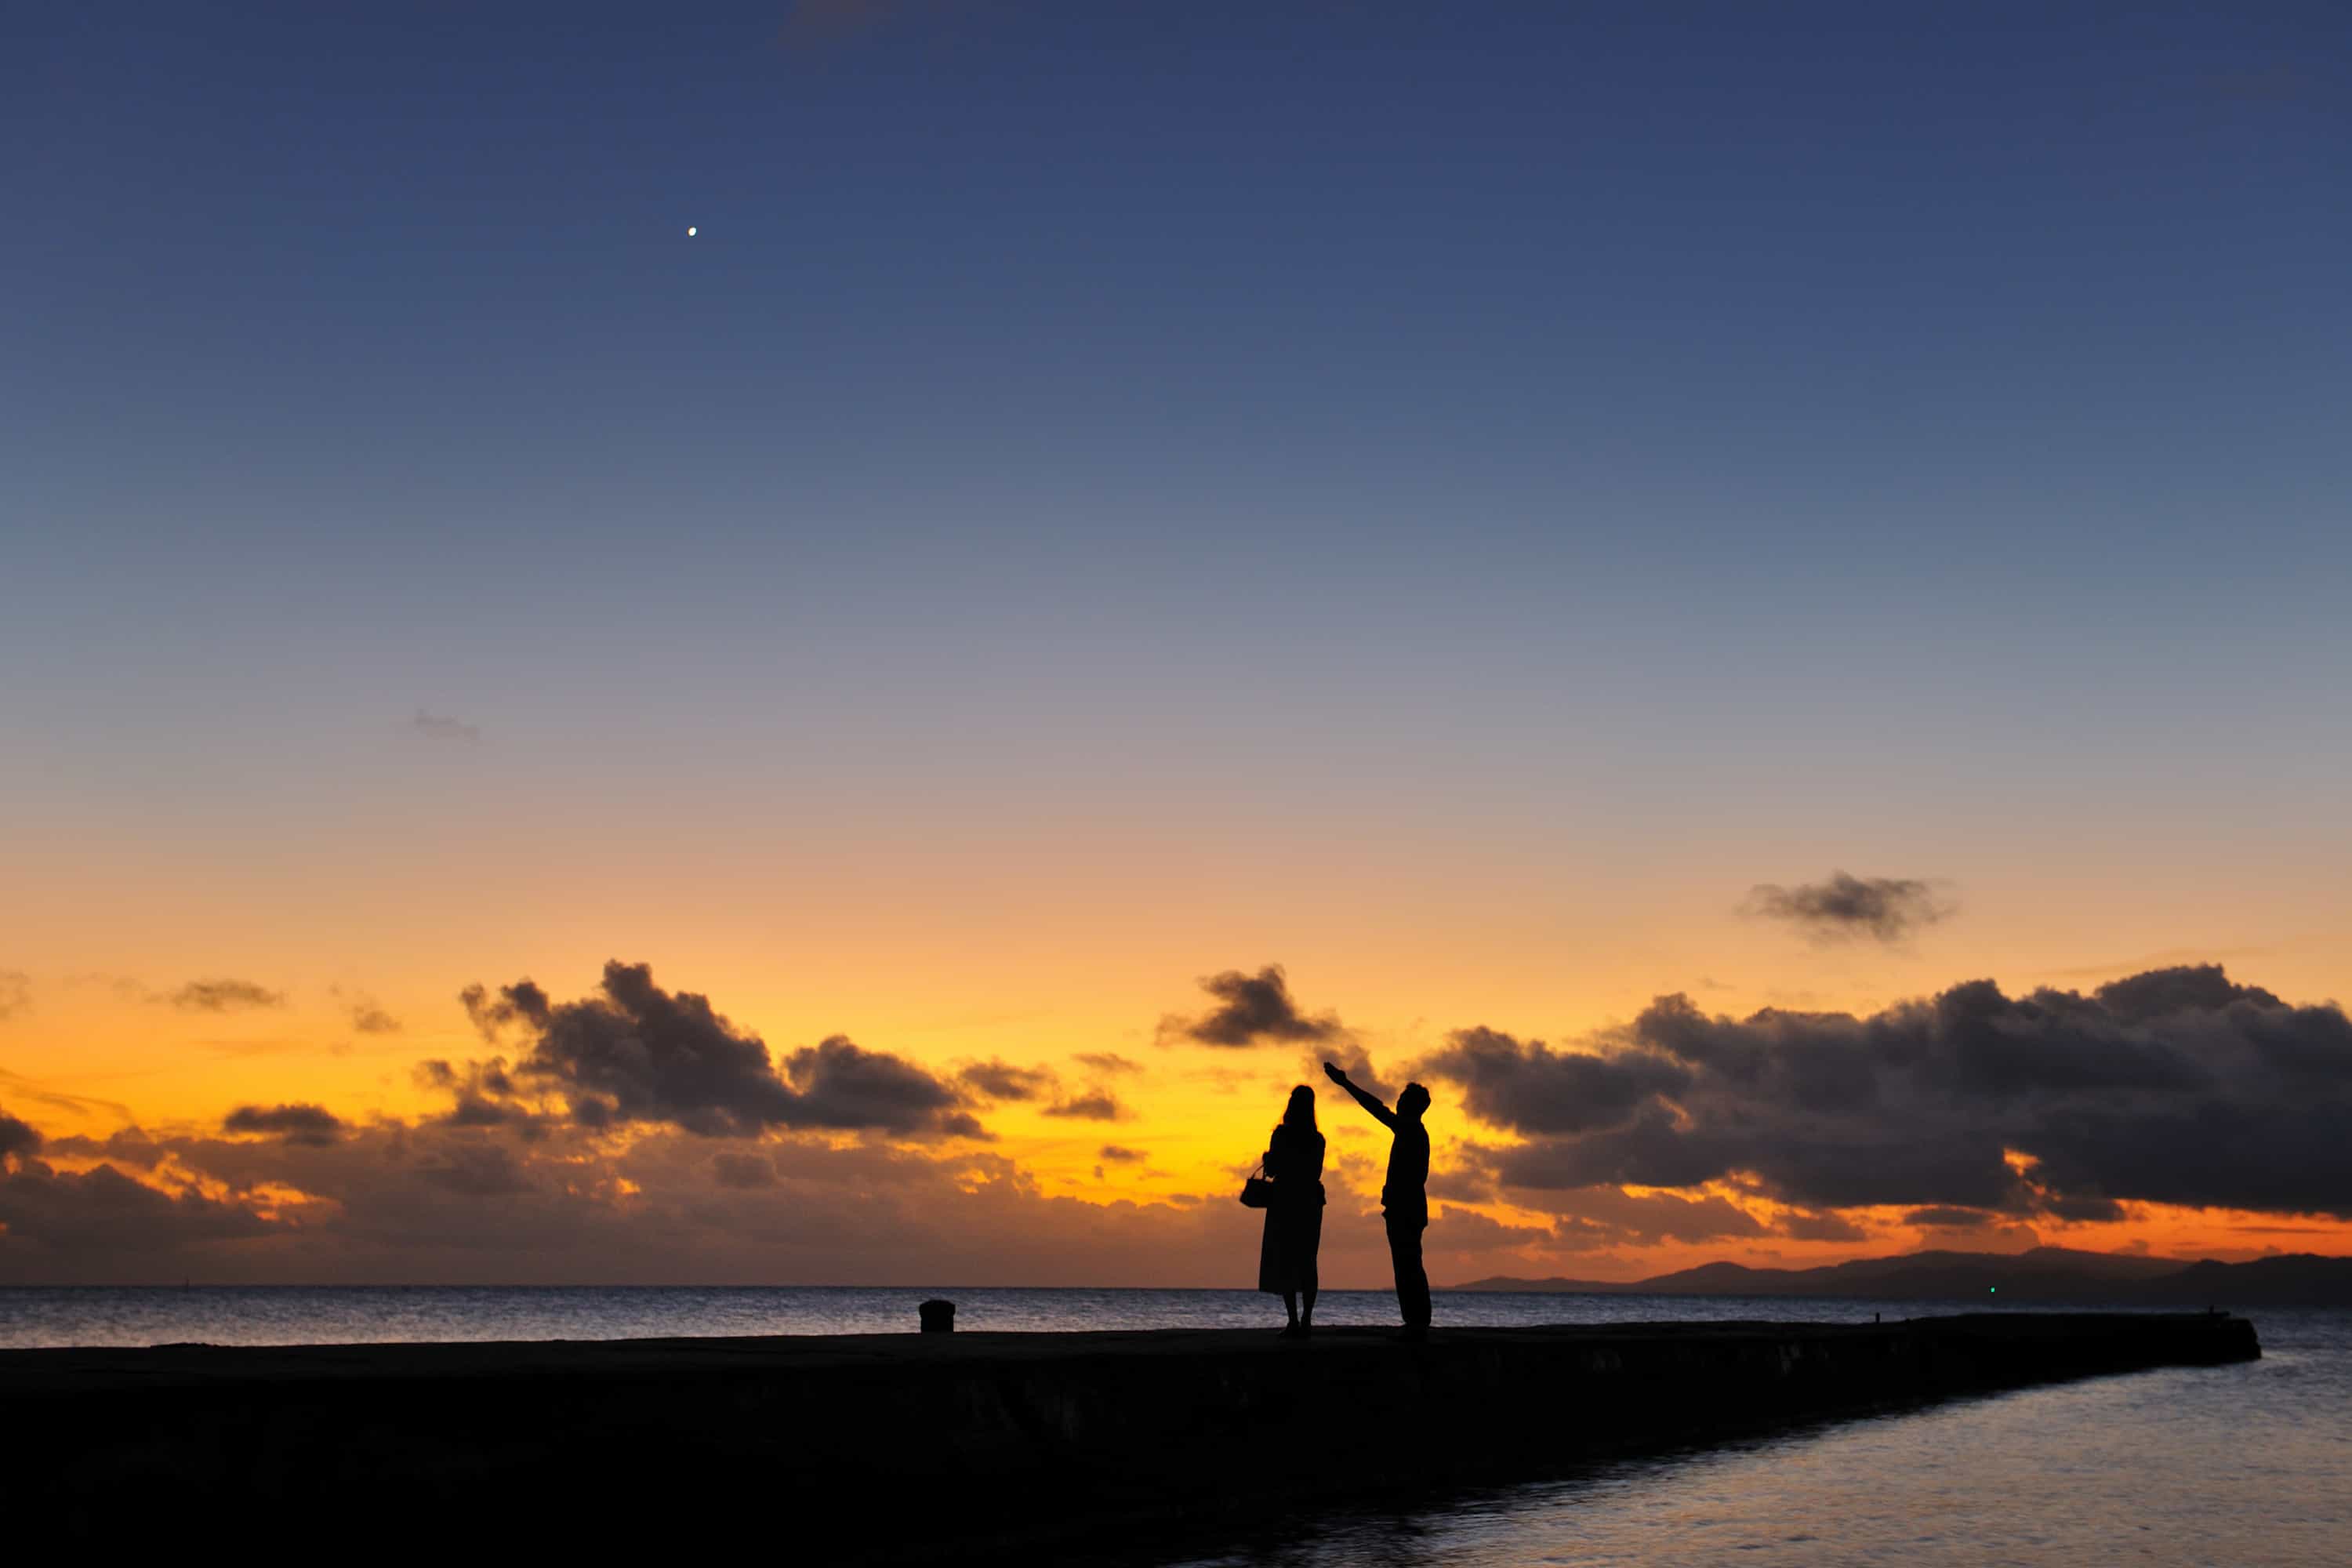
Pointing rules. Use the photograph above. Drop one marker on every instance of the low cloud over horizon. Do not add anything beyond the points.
(636, 1133)
(2177, 1087)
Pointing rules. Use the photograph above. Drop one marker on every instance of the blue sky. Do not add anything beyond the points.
(1722, 390)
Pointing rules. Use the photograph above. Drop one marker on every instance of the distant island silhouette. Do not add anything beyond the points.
(2041, 1274)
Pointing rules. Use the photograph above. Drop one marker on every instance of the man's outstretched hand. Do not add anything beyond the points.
(1379, 1112)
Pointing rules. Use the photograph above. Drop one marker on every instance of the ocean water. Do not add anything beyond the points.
(2232, 1467)
(2238, 1465)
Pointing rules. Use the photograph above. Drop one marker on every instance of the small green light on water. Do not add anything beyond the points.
(1993, 1289)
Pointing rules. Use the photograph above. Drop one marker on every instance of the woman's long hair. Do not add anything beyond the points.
(1299, 1114)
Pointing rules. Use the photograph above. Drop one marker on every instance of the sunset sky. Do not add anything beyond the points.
(1138, 547)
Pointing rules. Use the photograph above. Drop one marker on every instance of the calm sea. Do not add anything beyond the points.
(2240, 1465)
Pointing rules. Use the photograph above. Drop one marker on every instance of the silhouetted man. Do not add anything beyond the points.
(1404, 1197)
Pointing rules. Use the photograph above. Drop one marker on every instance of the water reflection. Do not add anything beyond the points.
(2248, 1464)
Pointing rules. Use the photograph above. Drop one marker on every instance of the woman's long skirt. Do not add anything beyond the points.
(1285, 1253)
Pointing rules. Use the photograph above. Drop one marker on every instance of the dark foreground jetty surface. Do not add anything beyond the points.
(942, 1447)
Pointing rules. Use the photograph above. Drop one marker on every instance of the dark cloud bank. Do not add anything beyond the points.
(17, 1137)
(635, 1133)
(2177, 1086)
(637, 1053)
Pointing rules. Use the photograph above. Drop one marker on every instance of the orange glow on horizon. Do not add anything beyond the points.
(100, 1053)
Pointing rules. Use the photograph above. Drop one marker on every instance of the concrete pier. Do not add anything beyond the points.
(938, 1446)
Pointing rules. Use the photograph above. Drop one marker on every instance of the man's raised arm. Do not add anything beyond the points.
(1380, 1113)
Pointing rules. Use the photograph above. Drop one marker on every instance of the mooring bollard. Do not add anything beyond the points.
(939, 1317)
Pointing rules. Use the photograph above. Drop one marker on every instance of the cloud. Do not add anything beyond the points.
(126, 1146)
(1844, 908)
(1226, 1080)
(744, 1173)
(2184, 990)
(1096, 1105)
(1647, 1218)
(1818, 1225)
(2166, 958)
(1466, 1230)
(492, 1013)
(2168, 1086)
(443, 729)
(70, 1226)
(1252, 1008)
(394, 1201)
(1106, 1062)
(224, 996)
(637, 1053)
(1465, 1181)
(1533, 1088)
(2080, 1207)
(16, 992)
(1002, 1080)
(17, 1137)
(2174, 1086)
(1352, 1059)
(843, 1085)
(482, 1094)
(476, 1171)
(370, 1019)
(81, 1105)
(296, 1123)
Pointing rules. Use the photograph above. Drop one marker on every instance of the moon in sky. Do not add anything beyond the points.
(689, 232)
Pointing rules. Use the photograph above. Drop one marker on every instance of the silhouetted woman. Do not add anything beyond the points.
(1294, 1220)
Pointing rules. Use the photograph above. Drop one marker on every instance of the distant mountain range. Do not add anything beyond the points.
(2043, 1274)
